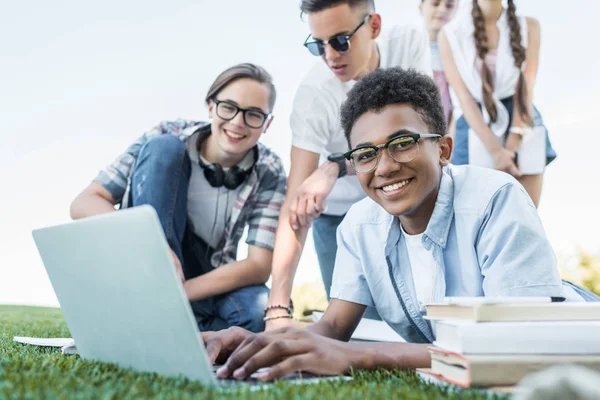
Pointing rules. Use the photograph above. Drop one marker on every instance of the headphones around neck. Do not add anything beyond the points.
(215, 174)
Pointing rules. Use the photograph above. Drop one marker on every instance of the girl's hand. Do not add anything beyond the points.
(504, 160)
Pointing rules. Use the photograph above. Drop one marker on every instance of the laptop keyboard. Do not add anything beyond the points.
(251, 381)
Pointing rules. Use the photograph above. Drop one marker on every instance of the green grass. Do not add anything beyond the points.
(30, 372)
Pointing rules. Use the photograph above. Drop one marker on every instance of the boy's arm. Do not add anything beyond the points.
(316, 349)
(289, 242)
(312, 121)
(93, 200)
(288, 350)
(514, 254)
(339, 321)
(254, 270)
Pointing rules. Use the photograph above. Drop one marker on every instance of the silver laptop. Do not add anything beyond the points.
(121, 297)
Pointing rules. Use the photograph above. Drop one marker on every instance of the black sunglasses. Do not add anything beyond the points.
(340, 43)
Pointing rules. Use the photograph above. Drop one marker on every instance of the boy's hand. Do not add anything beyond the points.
(288, 350)
(309, 200)
(220, 345)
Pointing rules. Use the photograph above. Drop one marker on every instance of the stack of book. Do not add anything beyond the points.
(486, 342)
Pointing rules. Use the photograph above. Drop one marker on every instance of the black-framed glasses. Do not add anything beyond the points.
(403, 147)
(252, 117)
(340, 43)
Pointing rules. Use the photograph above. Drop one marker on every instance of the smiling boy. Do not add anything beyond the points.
(427, 230)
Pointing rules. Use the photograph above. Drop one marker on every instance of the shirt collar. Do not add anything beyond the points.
(441, 218)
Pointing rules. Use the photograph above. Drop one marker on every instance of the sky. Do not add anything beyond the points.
(79, 81)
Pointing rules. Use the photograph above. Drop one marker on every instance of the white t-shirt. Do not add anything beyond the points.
(423, 267)
(208, 208)
(315, 119)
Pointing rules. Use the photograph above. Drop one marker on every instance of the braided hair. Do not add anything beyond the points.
(518, 52)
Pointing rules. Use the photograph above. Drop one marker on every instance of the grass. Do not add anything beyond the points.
(30, 372)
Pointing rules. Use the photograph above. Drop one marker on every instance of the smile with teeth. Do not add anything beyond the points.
(235, 135)
(395, 186)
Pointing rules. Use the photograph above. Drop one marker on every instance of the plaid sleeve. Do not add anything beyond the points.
(264, 216)
(115, 176)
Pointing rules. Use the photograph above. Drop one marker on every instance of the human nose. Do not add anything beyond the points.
(386, 165)
(330, 53)
(238, 119)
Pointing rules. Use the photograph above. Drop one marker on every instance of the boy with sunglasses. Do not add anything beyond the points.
(345, 34)
(427, 230)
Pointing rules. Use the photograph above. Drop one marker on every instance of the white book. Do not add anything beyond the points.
(556, 337)
(531, 156)
(479, 300)
(67, 345)
(370, 330)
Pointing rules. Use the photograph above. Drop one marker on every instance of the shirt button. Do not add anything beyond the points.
(442, 240)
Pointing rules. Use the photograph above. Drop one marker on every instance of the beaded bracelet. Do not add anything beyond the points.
(289, 309)
(277, 317)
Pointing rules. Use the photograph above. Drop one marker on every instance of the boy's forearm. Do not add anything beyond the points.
(86, 205)
(288, 248)
(225, 279)
(325, 328)
(390, 355)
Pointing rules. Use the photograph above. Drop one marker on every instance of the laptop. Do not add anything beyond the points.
(122, 300)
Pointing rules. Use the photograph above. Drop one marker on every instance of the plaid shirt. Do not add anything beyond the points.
(257, 205)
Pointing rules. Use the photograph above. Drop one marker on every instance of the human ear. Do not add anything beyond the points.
(375, 25)
(268, 123)
(445, 145)
(211, 109)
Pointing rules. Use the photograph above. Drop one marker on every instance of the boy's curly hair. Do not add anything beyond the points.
(383, 87)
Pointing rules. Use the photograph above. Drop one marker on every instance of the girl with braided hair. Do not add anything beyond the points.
(490, 58)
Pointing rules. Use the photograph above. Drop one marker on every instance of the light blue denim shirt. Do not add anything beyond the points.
(486, 238)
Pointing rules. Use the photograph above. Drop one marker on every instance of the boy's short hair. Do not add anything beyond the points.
(311, 6)
(383, 87)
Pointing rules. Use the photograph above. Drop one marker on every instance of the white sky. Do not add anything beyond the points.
(79, 81)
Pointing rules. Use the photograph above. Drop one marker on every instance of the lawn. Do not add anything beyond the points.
(35, 372)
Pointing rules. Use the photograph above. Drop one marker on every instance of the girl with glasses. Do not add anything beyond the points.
(491, 58)
(207, 181)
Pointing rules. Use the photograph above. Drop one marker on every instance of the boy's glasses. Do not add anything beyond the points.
(340, 43)
(402, 148)
(253, 118)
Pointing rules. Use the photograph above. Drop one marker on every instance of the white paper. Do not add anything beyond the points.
(49, 342)
(531, 156)
(67, 345)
